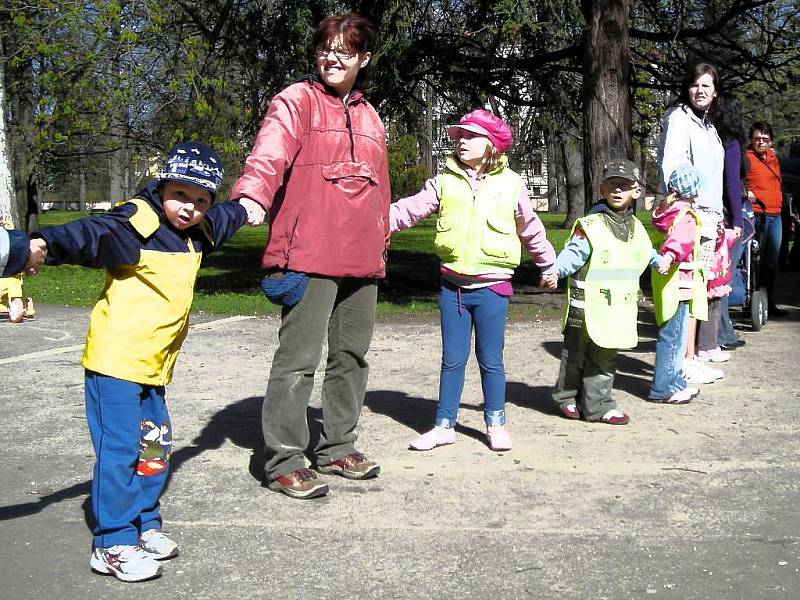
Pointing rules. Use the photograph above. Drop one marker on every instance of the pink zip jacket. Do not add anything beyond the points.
(718, 284)
(679, 242)
(406, 212)
(319, 168)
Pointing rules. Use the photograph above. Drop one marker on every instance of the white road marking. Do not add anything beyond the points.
(66, 349)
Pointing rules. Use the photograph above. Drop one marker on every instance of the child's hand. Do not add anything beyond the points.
(549, 281)
(667, 201)
(664, 263)
(38, 252)
(255, 212)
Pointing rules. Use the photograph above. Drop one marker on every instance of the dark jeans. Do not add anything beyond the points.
(770, 238)
(344, 310)
(707, 330)
(586, 374)
(725, 333)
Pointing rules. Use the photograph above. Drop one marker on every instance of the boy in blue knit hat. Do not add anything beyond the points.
(151, 247)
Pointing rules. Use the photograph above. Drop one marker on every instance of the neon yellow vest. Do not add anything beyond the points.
(477, 233)
(141, 318)
(611, 286)
(665, 287)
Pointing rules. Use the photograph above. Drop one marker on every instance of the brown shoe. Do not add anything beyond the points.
(352, 466)
(302, 484)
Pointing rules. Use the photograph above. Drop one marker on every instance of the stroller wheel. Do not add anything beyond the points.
(758, 309)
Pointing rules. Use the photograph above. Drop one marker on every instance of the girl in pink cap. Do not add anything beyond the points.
(483, 213)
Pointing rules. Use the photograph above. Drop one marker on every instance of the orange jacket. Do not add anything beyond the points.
(764, 180)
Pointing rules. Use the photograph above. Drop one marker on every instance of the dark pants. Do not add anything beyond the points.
(769, 234)
(707, 330)
(344, 310)
(586, 374)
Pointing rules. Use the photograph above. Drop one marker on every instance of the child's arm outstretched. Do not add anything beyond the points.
(575, 254)
(407, 212)
(678, 245)
(533, 236)
(102, 241)
(226, 218)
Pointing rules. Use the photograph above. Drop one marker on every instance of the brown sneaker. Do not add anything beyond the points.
(302, 484)
(352, 466)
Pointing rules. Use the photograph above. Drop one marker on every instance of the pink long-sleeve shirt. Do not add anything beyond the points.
(679, 242)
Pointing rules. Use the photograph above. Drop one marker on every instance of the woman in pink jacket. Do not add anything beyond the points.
(319, 169)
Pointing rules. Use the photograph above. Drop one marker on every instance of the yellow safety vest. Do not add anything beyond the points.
(666, 287)
(611, 285)
(477, 232)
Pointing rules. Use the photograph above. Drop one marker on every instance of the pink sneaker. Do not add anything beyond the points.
(715, 356)
(499, 439)
(438, 436)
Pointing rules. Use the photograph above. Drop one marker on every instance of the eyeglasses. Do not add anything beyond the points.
(762, 140)
(341, 55)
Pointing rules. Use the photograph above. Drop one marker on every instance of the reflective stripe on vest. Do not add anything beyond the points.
(611, 285)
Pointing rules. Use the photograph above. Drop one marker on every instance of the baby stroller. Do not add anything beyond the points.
(746, 290)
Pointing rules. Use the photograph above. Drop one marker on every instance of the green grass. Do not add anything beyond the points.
(228, 280)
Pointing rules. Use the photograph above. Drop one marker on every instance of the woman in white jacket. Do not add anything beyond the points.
(688, 135)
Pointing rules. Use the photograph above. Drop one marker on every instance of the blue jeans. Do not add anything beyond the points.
(770, 238)
(670, 348)
(725, 333)
(460, 311)
(132, 439)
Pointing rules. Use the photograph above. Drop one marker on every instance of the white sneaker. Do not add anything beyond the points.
(715, 356)
(683, 396)
(157, 545)
(697, 373)
(126, 563)
(715, 373)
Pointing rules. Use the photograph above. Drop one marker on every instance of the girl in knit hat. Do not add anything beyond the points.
(483, 213)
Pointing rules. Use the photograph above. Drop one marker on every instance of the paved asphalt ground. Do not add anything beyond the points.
(698, 501)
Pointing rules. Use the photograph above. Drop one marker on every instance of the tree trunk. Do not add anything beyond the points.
(9, 211)
(426, 145)
(553, 199)
(606, 89)
(82, 190)
(573, 175)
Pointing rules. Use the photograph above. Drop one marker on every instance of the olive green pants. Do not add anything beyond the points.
(586, 375)
(344, 310)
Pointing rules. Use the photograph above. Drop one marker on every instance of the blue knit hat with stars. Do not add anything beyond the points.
(195, 163)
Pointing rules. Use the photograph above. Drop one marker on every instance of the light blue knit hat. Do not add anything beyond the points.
(686, 181)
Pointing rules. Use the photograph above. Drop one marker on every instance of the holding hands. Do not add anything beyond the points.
(38, 252)
(664, 263)
(549, 280)
(255, 212)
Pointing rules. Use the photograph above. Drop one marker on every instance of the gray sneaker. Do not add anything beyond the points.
(157, 545)
(126, 563)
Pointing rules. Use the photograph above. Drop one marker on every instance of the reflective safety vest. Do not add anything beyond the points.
(666, 287)
(611, 284)
(476, 232)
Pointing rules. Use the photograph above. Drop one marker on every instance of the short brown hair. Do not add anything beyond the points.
(358, 33)
(693, 74)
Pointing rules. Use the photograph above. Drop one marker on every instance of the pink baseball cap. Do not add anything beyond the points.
(485, 123)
